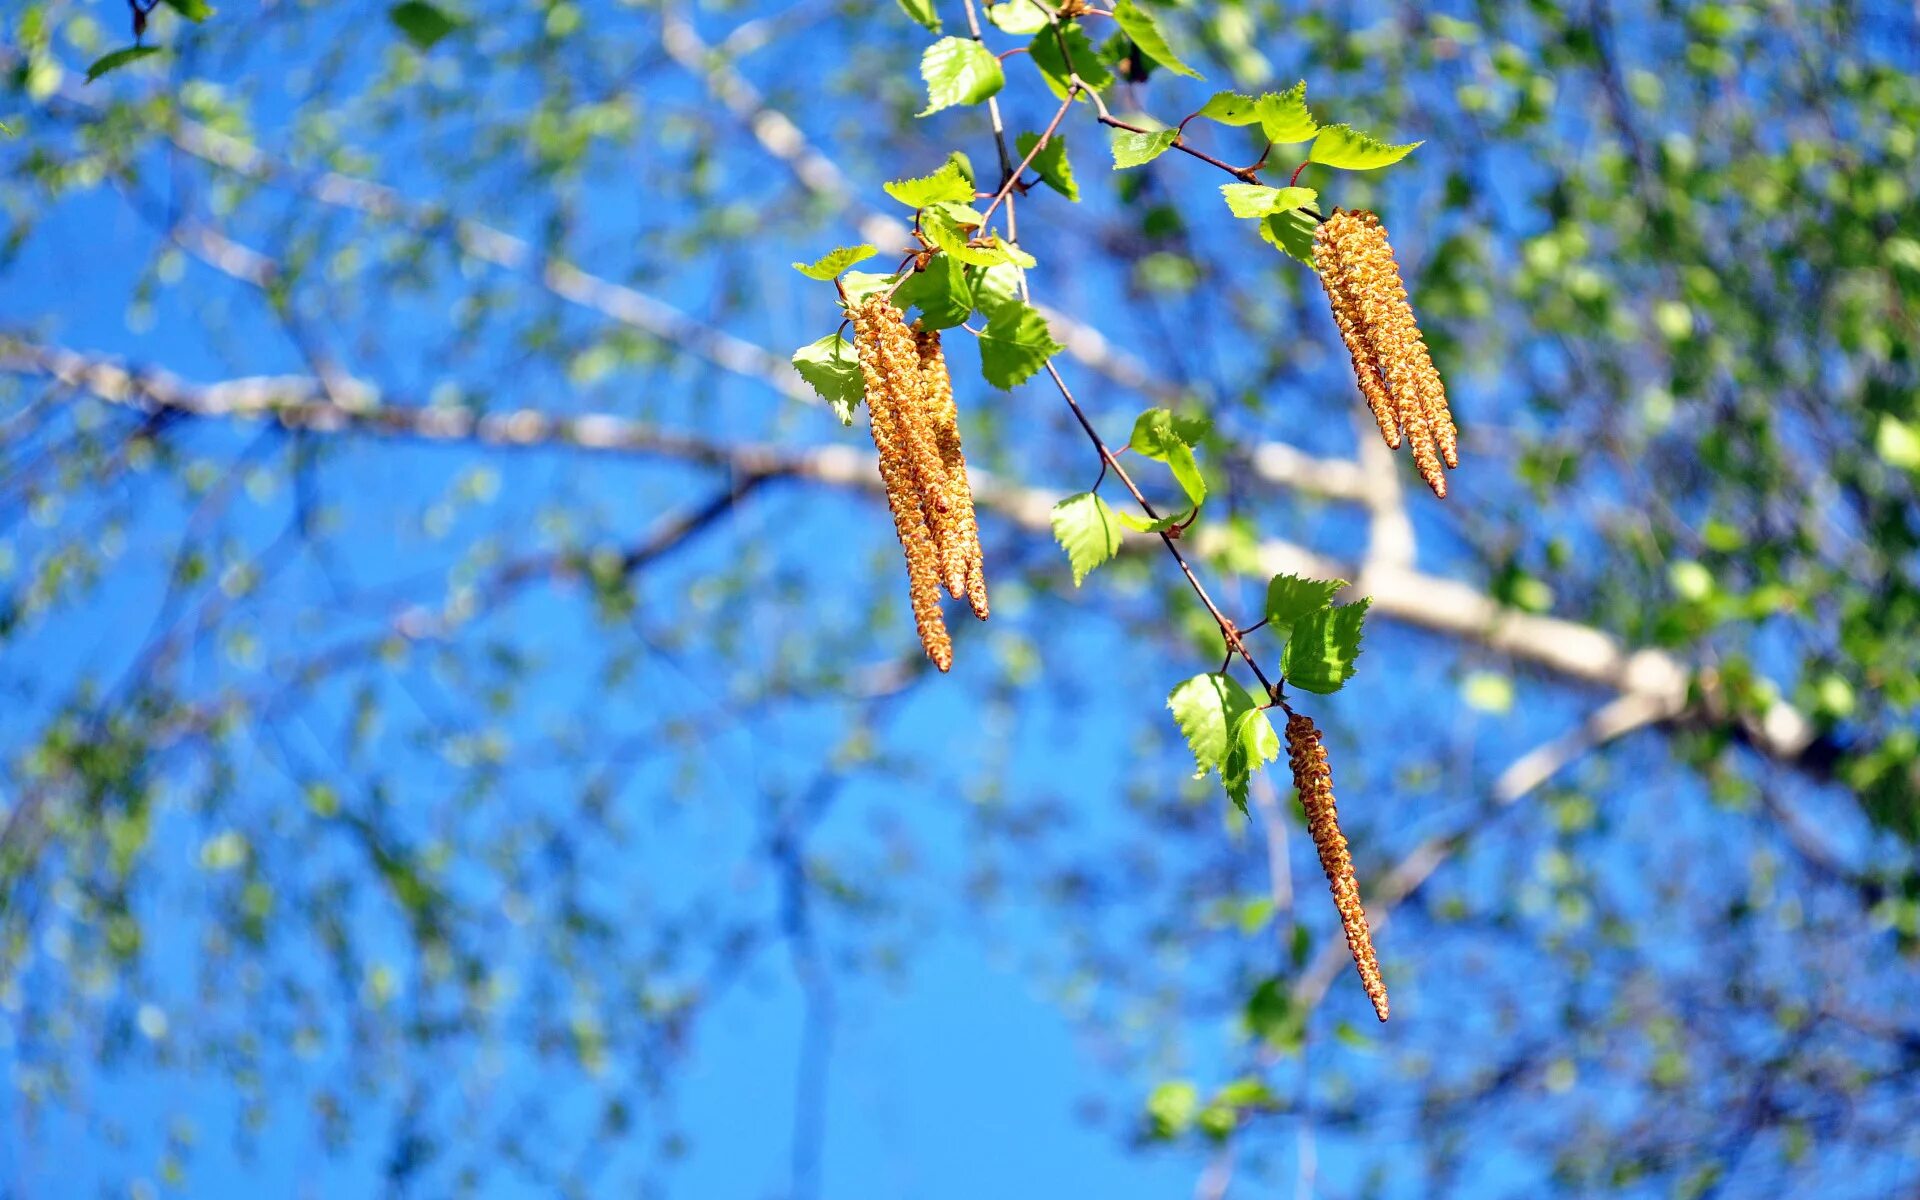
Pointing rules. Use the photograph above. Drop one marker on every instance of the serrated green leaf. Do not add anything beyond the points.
(118, 59)
(1086, 529)
(1291, 232)
(1251, 745)
(1045, 51)
(1131, 149)
(1146, 525)
(832, 369)
(1259, 200)
(1055, 171)
(1231, 108)
(949, 183)
(994, 288)
(193, 10)
(1350, 150)
(949, 226)
(834, 261)
(922, 12)
(939, 291)
(423, 24)
(1156, 436)
(1015, 344)
(1283, 116)
(958, 71)
(1146, 34)
(1322, 648)
(1208, 709)
(1017, 16)
(858, 285)
(1289, 598)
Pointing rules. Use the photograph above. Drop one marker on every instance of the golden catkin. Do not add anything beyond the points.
(962, 561)
(1313, 779)
(895, 401)
(1391, 361)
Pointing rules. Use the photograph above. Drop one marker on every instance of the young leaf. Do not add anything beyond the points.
(1208, 708)
(1017, 16)
(1014, 345)
(947, 226)
(939, 291)
(958, 71)
(1322, 648)
(1231, 108)
(1155, 436)
(1259, 200)
(1131, 149)
(835, 261)
(922, 11)
(1291, 232)
(994, 288)
(949, 183)
(1347, 148)
(193, 10)
(1251, 744)
(423, 24)
(830, 367)
(1284, 117)
(1085, 528)
(860, 284)
(118, 59)
(1289, 598)
(1045, 50)
(1055, 171)
(1145, 32)
(1144, 525)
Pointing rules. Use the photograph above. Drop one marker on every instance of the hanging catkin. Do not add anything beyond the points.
(1313, 779)
(1391, 362)
(896, 401)
(961, 560)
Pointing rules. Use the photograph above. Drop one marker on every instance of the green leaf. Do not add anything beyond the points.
(939, 291)
(949, 183)
(1145, 32)
(860, 284)
(1145, 525)
(1291, 232)
(423, 24)
(1208, 709)
(835, 261)
(950, 227)
(1272, 1018)
(831, 368)
(1284, 118)
(1045, 50)
(1322, 648)
(1251, 745)
(1231, 108)
(1289, 598)
(994, 288)
(1259, 200)
(1055, 171)
(1014, 345)
(1017, 16)
(1172, 1108)
(1131, 149)
(118, 59)
(958, 71)
(1350, 150)
(193, 10)
(1156, 436)
(1897, 443)
(1085, 528)
(922, 11)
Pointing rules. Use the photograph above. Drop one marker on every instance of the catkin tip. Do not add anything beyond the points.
(1313, 780)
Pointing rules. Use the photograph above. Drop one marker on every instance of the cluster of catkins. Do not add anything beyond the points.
(1390, 358)
(1313, 779)
(916, 429)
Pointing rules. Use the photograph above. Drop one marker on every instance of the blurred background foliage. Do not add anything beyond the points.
(417, 800)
